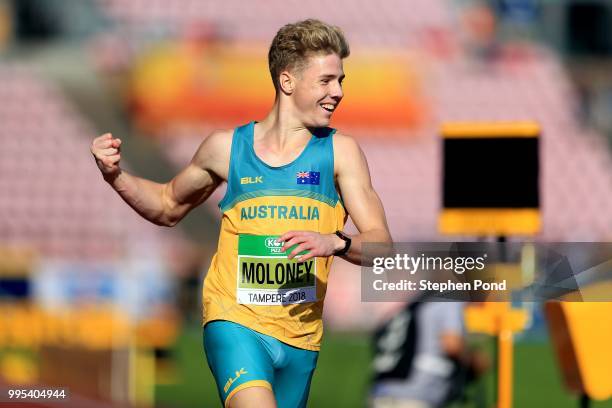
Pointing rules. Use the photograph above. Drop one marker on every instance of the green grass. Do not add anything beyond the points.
(342, 376)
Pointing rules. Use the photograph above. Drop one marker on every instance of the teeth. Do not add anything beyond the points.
(328, 106)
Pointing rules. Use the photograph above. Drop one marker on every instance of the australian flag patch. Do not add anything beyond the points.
(308, 177)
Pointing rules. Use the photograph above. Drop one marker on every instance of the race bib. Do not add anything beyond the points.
(266, 277)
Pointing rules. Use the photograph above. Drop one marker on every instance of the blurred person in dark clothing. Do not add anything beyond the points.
(420, 357)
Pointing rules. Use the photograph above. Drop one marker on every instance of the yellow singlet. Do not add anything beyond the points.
(250, 281)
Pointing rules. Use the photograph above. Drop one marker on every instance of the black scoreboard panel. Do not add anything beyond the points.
(490, 172)
(490, 178)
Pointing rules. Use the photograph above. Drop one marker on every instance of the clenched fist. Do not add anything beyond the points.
(107, 151)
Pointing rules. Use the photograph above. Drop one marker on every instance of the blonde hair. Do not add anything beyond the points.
(294, 43)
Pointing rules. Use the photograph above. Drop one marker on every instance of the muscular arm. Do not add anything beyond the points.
(166, 203)
(360, 200)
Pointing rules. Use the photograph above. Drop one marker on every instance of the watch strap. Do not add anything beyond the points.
(347, 243)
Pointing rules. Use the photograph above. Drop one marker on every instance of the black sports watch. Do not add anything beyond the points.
(347, 243)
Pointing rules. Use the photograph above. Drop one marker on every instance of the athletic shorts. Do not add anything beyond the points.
(241, 358)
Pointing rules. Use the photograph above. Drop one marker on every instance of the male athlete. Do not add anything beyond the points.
(291, 181)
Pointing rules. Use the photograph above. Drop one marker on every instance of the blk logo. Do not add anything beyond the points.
(251, 180)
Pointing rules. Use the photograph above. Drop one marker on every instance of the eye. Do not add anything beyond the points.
(325, 81)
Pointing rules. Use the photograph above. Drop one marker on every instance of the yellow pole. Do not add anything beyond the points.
(505, 368)
(142, 375)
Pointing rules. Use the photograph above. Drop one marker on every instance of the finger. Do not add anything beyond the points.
(302, 247)
(287, 235)
(293, 241)
(105, 136)
(111, 160)
(102, 144)
(116, 143)
(109, 152)
(100, 154)
(305, 257)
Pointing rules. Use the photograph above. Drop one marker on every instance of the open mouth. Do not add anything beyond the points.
(328, 107)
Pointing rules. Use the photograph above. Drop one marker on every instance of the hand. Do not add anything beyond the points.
(107, 152)
(317, 244)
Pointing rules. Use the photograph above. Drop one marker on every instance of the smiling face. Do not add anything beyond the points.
(317, 89)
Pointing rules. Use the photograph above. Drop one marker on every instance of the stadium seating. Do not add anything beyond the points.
(53, 198)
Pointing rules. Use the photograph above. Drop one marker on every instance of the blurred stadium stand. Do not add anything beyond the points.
(388, 23)
(52, 198)
(465, 75)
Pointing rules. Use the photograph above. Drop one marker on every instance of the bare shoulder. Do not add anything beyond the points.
(344, 143)
(347, 153)
(214, 152)
(217, 142)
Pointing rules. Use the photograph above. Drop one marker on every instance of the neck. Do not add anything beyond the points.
(280, 126)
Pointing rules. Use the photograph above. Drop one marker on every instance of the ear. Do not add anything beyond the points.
(286, 82)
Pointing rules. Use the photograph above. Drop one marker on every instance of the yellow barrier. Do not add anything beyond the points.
(95, 327)
(582, 337)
